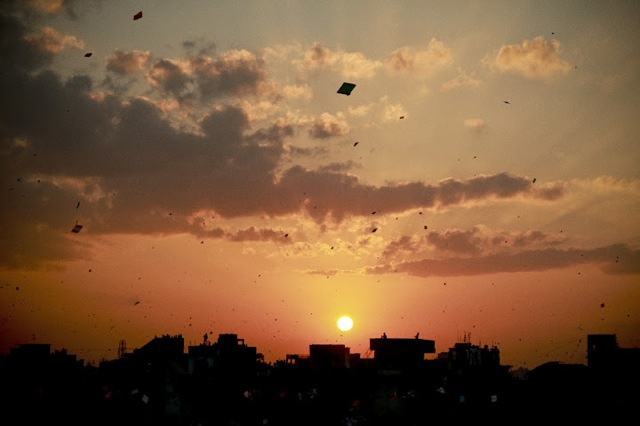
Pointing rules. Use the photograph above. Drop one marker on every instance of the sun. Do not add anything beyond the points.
(345, 323)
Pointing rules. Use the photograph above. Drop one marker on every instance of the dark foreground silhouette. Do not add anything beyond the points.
(226, 383)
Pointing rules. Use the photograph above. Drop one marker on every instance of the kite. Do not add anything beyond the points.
(355, 144)
(346, 88)
(77, 228)
(137, 16)
(88, 55)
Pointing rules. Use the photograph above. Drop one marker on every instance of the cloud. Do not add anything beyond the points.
(135, 172)
(502, 185)
(462, 79)
(359, 110)
(327, 125)
(613, 259)
(351, 65)
(356, 65)
(318, 56)
(335, 196)
(393, 112)
(24, 46)
(47, 6)
(324, 273)
(533, 59)
(53, 7)
(419, 63)
(475, 241)
(232, 73)
(401, 246)
(51, 41)
(169, 76)
(476, 124)
(127, 63)
(294, 91)
(456, 241)
(253, 234)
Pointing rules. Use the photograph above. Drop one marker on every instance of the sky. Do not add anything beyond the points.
(480, 183)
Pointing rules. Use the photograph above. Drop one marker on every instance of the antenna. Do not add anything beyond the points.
(122, 349)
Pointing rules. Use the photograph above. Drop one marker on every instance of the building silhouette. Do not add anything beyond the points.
(227, 382)
(400, 353)
(229, 356)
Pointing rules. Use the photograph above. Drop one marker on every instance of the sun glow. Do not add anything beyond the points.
(345, 323)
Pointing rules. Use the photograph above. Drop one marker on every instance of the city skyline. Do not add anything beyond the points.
(196, 168)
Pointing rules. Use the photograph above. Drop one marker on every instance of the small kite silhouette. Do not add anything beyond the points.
(76, 228)
(355, 144)
(137, 16)
(346, 88)
(88, 54)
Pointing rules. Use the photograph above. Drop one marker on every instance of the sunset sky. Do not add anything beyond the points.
(481, 181)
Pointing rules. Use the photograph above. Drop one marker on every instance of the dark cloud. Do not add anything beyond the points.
(199, 47)
(233, 73)
(137, 173)
(474, 241)
(18, 53)
(253, 234)
(336, 196)
(502, 185)
(338, 167)
(613, 259)
(169, 77)
(532, 237)
(400, 246)
(275, 133)
(456, 241)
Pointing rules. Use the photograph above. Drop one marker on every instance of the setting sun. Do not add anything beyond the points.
(345, 323)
